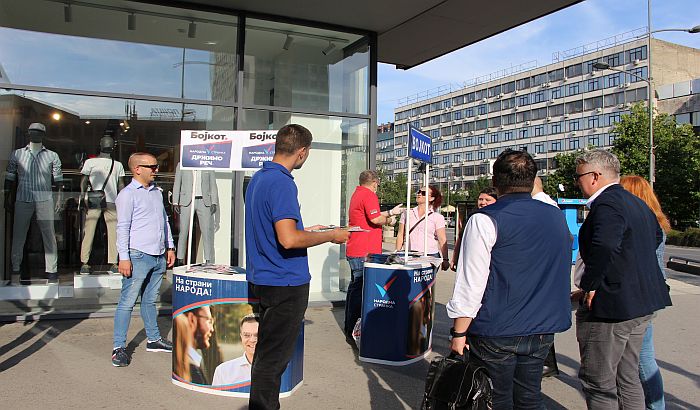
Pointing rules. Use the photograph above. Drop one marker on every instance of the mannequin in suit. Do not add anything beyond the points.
(205, 200)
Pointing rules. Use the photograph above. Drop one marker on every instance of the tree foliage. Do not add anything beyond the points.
(391, 192)
(564, 175)
(677, 151)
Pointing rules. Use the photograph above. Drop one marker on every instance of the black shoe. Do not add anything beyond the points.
(25, 282)
(160, 345)
(549, 371)
(53, 277)
(120, 358)
(351, 341)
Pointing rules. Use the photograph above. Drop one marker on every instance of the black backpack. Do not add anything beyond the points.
(455, 382)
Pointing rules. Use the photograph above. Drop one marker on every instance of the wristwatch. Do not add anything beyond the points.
(171, 249)
(457, 334)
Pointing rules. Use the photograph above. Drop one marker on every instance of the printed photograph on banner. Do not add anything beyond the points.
(420, 323)
(215, 345)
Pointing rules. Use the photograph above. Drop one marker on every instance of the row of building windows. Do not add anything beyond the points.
(573, 107)
(611, 80)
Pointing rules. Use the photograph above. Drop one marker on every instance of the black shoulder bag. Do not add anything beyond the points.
(456, 382)
(97, 199)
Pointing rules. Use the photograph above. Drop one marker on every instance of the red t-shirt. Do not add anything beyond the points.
(364, 206)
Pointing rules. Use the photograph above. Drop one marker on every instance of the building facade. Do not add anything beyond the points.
(385, 148)
(141, 73)
(548, 110)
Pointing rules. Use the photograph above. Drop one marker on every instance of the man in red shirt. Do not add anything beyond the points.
(365, 213)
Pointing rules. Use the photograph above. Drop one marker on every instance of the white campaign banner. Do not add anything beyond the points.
(226, 150)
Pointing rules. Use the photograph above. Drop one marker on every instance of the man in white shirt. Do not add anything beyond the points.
(237, 371)
(539, 194)
(512, 287)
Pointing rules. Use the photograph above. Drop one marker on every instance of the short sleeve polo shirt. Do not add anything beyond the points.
(270, 197)
(364, 206)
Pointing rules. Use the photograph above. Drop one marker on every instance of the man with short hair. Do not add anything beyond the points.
(145, 246)
(363, 212)
(237, 371)
(622, 281)
(512, 287)
(277, 266)
(201, 324)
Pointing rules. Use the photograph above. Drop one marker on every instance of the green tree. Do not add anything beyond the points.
(474, 189)
(677, 151)
(564, 175)
(391, 192)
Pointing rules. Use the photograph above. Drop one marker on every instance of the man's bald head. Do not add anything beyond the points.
(141, 158)
(537, 187)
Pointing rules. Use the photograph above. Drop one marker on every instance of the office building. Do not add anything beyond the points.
(547, 110)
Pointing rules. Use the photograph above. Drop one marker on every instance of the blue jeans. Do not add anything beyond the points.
(146, 277)
(649, 373)
(515, 367)
(353, 299)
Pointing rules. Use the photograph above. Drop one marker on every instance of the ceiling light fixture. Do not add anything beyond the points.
(67, 13)
(131, 21)
(192, 29)
(288, 42)
(328, 49)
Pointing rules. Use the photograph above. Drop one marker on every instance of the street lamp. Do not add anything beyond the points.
(606, 66)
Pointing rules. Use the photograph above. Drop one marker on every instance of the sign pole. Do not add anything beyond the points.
(427, 209)
(406, 226)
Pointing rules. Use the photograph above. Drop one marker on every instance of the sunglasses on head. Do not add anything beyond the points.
(153, 167)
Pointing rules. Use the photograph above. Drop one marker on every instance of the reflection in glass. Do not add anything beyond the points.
(338, 155)
(305, 68)
(74, 135)
(98, 51)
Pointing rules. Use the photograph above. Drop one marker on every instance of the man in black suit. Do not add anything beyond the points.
(622, 282)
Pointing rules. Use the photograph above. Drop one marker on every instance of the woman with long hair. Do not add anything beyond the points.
(425, 216)
(649, 372)
(487, 196)
(182, 344)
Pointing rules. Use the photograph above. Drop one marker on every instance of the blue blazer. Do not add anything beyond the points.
(618, 242)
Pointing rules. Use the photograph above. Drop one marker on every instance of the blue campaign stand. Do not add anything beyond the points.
(195, 289)
(397, 312)
(573, 210)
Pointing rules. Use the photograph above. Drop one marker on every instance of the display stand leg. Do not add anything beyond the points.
(408, 211)
(191, 225)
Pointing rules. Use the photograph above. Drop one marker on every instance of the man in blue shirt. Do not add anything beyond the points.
(276, 261)
(145, 246)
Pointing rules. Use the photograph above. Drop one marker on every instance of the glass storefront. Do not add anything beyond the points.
(141, 73)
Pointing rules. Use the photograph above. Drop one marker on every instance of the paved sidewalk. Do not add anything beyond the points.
(66, 364)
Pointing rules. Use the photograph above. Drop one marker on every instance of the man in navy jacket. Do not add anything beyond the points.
(622, 280)
(512, 288)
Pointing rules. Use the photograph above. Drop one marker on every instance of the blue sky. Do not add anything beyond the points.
(575, 26)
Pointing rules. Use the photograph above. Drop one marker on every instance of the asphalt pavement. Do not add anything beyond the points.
(66, 364)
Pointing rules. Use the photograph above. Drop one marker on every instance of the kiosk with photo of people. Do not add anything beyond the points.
(215, 331)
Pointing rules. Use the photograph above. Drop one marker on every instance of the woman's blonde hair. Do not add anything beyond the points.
(640, 188)
(181, 359)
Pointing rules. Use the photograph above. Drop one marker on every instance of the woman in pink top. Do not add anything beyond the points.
(434, 222)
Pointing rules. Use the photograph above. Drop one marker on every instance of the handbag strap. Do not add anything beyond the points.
(419, 221)
(106, 179)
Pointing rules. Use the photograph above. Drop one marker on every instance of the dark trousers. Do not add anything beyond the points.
(609, 369)
(353, 299)
(281, 314)
(515, 367)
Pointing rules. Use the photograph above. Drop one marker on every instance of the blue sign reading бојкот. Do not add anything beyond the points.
(419, 145)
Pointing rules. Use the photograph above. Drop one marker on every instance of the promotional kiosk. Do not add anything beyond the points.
(211, 339)
(398, 297)
(215, 322)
